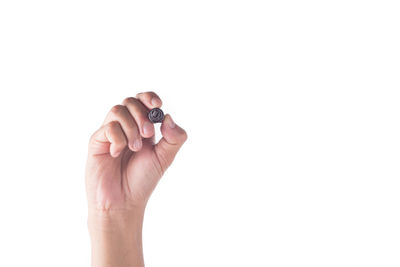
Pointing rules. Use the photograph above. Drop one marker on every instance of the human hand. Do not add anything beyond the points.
(123, 167)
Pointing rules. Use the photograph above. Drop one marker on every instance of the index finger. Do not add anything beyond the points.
(149, 99)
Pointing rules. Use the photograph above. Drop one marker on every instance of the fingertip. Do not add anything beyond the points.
(114, 153)
(150, 99)
(148, 129)
(169, 121)
(173, 138)
(173, 133)
(156, 102)
(136, 145)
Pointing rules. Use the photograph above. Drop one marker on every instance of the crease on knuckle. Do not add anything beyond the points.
(151, 93)
(112, 125)
(128, 100)
(117, 109)
(111, 128)
(132, 103)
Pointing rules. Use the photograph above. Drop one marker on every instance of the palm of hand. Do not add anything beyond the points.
(126, 181)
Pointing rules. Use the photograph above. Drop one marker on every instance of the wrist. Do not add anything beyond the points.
(116, 238)
(114, 220)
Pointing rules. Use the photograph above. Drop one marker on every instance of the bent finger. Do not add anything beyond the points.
(139, 112)
(150, 99)
(121, 114)
(110, 138)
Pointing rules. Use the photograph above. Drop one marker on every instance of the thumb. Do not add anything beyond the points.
(172, 140)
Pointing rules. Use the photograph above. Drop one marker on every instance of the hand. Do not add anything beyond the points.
(123, 167)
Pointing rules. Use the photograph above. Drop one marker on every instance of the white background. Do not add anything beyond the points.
(291, 107)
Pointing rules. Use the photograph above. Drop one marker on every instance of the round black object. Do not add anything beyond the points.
(156, 115)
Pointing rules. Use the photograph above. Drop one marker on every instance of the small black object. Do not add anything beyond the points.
(156, 115)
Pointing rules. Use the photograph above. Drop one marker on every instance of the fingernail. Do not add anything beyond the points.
(137, 144)
(147, 128)
(170, 122)
(155, 102)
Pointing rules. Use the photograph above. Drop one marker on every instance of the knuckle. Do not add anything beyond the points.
(128, 100)
(112, 126)
(147, 95)
(151, 93)
(117, 109)
(184, 136)
(131, 101)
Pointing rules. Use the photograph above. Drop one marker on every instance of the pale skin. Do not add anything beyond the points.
(123, 167)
